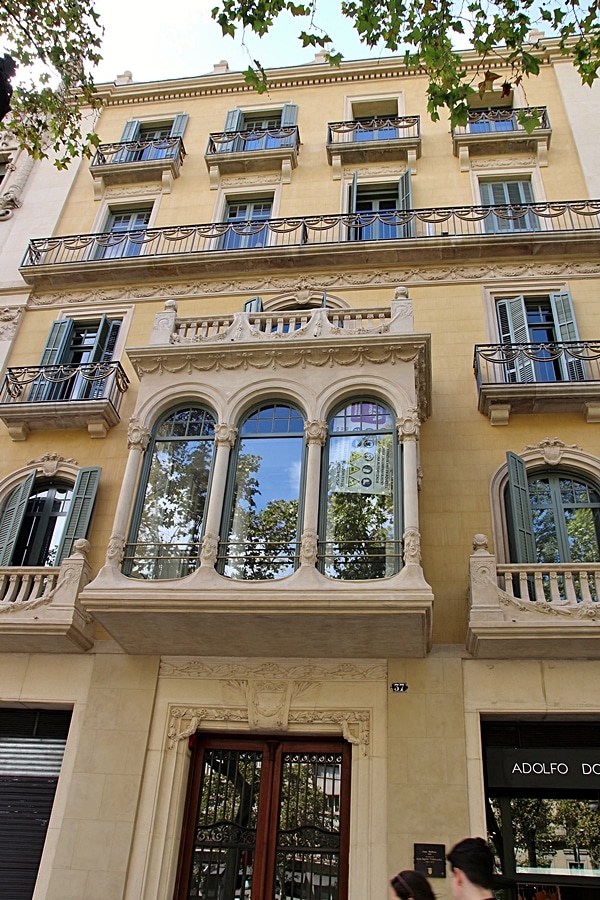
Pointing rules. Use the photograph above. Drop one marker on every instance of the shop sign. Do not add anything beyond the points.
(560, 769)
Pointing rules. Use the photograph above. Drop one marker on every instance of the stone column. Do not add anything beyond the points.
(137, 441)
(408, 434)
(315, 434)
(225, 436)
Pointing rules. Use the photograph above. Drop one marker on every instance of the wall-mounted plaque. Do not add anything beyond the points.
(430, 860)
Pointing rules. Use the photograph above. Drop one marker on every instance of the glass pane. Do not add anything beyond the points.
(225, 833)
(308, 836)
(42, 527)
(168, 539)
(554, 837)
(262, 541)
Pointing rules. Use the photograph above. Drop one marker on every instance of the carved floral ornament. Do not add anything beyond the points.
(138, 435)
(338, 280)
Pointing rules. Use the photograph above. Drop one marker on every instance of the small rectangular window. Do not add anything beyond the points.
(123, 233)
(515, 196)
(248, 220)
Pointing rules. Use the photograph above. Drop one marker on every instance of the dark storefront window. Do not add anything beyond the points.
(543, 808)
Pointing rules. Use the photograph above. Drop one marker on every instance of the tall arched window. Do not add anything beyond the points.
(263, 515)
(43, 518)
(169, 513)
(554, 516)
(359, 531)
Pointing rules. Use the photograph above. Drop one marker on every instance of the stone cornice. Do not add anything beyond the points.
(308, 74)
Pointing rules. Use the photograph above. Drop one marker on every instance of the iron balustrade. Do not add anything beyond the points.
(156, 561)
(482, 121)
(253, 139)
(557, 217)
(379, 128)
(52, 384)
(541, 363)
(138, 151)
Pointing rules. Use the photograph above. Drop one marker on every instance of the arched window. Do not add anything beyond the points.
(554, 516)
(169, 513)
(359, 531)
(43, 518)
(263, 515)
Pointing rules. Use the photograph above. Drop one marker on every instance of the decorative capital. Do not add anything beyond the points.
(308, 548)
(409, 426)
(114, 550)
(210, 549)
(225, 435)
(412, 546)
(9, 319)
(137, 435)
(315, 432)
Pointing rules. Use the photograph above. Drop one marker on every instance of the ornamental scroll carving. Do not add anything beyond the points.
(409, 426)
(138, 435)
(50, 463)
(355, 725)
(315, 432)
(180, 667)
(552, 450)
(225, 435)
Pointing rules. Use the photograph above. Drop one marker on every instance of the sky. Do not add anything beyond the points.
(142, 36)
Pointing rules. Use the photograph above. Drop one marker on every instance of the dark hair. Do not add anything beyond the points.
(473, 857)
(412, 884)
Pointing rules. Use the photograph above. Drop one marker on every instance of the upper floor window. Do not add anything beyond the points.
(547, 322)
(483, 121)
(124, 233)
(374, 119)
(169, 514)
(247, 218)
(378, 209)
(75, 344)
(260, 130)
(360, 523)
(157, 139)
(515, 192)
(553, 516)
(43, 518)
(262, 515)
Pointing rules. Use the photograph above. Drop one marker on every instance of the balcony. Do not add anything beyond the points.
(41, 398)
(39, 606)
(379, 139)
(532, 611)
(538, 378)
(257, 150)
(133, 162)
(498, 130)
(395, 237)
(252, 613)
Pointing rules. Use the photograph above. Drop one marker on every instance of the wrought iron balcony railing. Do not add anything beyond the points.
(138, 151)
(558, 217)
(53, 384)
(487, 121)
(254, 139)
(388, 128)
(540, 363)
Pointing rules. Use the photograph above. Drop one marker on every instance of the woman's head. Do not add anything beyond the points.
(410, 885)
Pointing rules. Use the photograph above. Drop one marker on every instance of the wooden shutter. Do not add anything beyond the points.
(234, 120)
(405, 202)
(566, 327)
(12, 518)
(80, 511)
(520, 520)
(353, 194)
(179, 125)
(55, 351)
(102, 351)
(512, 316)
(289, 115)
(131, 130)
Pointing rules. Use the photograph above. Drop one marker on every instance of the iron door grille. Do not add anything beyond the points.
(266, 820)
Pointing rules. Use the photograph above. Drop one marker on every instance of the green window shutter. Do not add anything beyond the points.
(12, 518)
(405, 201)
(520, 520)
(289, 115)
(566, 326)
(55, 351)
(234, 120)
(104, 347)
(353, 194)
(131, 130)
(80, 511)
(179, 125)
(512, 317)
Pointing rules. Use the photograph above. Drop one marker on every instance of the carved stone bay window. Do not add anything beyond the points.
(309, 486)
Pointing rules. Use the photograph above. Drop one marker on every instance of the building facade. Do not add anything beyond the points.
(300, 493)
